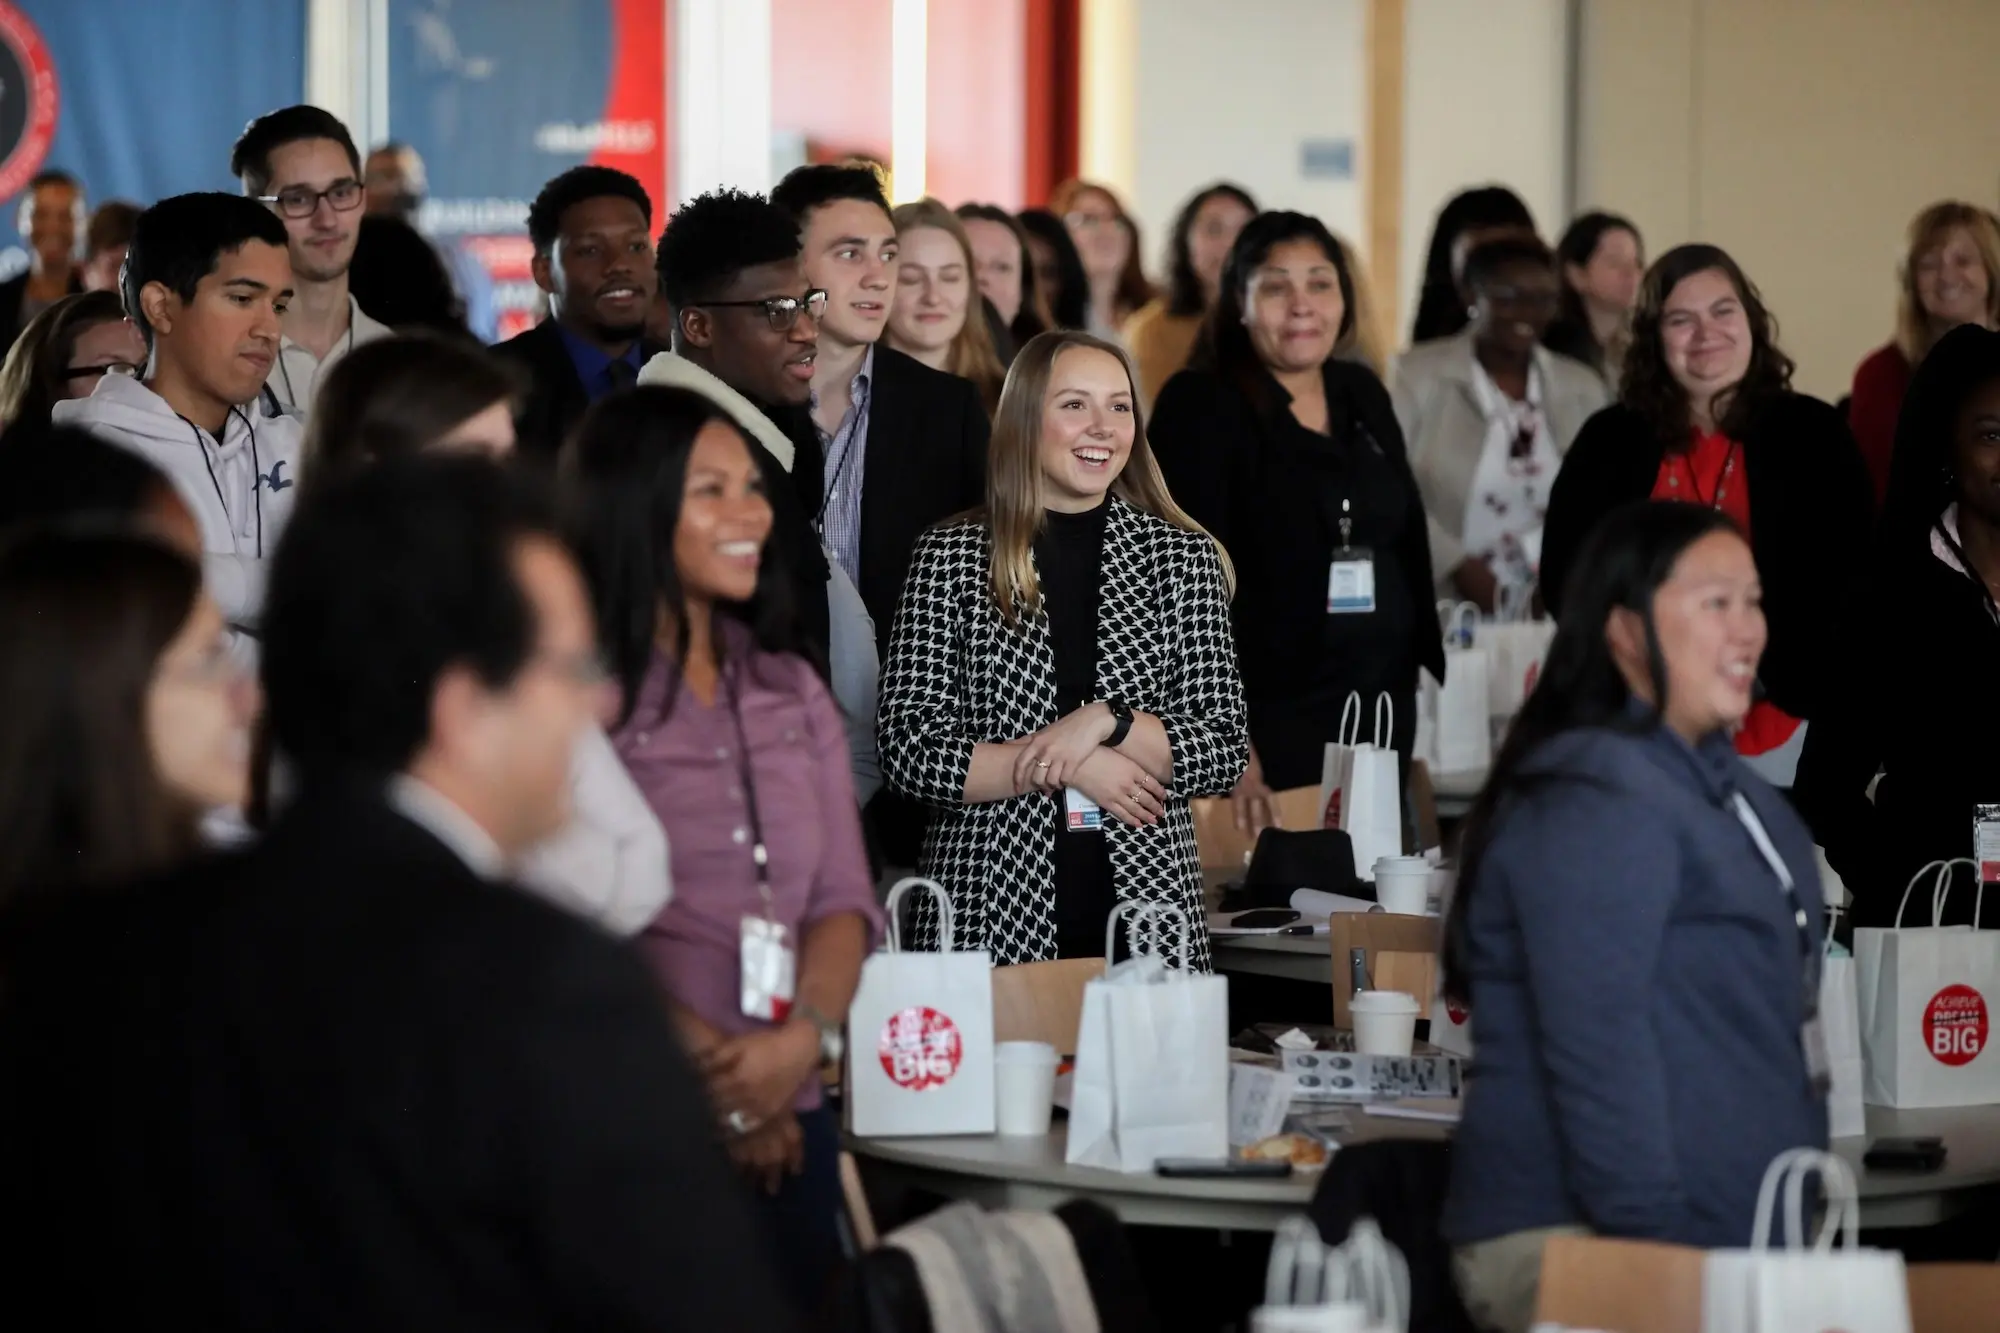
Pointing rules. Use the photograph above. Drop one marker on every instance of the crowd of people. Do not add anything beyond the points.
(808, 541)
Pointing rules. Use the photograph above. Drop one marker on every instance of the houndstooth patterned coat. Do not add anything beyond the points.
(957, 675)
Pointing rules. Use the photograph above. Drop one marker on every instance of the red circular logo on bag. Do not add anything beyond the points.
(920, 1048)
(1955, 1025)
(1456, 1012)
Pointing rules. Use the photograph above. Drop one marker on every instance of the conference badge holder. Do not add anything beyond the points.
(1080, 813)
(770, 970)
(1350, 582)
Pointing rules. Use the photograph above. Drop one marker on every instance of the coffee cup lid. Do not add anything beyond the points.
(1383, 1002)
(1401, 863)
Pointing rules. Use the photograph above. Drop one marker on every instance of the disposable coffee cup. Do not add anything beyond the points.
(1385, 1022)
(1024, 1087)
(1344, 1317)
(1403, 885)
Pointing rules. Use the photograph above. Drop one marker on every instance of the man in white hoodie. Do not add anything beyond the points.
(206, 281)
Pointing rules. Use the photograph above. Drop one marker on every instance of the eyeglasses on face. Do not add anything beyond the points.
(302, 201)
(781, 311)
(99, 371)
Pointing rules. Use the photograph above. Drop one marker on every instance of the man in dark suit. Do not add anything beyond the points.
(352, 1078)
(592, 232)
(50, 219)
(901, 445)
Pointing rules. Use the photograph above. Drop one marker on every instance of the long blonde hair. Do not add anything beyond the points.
(1929, 230)
(1016, 490)
(971, 355)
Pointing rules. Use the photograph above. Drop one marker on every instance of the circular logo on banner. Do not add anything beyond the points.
(28, 100)
(920, 1048)
(1955, 1025)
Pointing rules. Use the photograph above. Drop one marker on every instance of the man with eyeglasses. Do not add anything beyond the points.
(592, 231)
(302, 163)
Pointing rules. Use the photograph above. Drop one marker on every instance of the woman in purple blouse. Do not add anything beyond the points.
(736, 743)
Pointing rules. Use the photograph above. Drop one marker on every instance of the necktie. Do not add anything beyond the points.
(620, 374)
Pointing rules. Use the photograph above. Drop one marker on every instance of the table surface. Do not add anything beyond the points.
(1888, 1199)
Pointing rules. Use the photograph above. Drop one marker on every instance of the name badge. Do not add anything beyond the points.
(1986, 842)
(770, 970)
(1080, 813)
(1350, 583)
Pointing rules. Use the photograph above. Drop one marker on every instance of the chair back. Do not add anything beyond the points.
(1634, 1286)
(1221, 847)
(1401, 954)
(1042, 1001)
(1953, 1298)
(1401, 1184)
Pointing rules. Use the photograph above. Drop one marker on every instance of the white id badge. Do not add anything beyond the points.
(1986, 842)
(1350, 583)
(769, 970)
(1081, 814)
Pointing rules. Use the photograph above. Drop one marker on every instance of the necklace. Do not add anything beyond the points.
(1694, 484)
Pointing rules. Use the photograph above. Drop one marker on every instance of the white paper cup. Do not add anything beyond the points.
(1024, 1087)
(1403, 885)
(1385, 1022)
(1346, 1317)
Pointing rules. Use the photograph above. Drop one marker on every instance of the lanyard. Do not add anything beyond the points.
(256, 475)
(759, 856)
(1808, 956)
(1713, 500)
(856, 423)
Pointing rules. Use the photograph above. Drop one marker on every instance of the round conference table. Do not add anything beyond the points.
(1001, 1172)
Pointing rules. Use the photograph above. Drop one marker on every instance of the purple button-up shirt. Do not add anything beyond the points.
(688, 768)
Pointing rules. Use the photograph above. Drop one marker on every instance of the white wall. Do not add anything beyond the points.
(1232, 92)
(1485, 101)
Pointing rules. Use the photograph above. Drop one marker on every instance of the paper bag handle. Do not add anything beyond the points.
(1375, 1275)
(1350, 715)
(946, 936)
(1461, 623)
(1941, 890)
(1790, 1170)
(1155, 917)
(1385, 721)
(1511, 602)
(1134, 908)
(1296, 1274)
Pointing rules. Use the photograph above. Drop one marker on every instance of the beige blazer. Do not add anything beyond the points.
(1445, 430)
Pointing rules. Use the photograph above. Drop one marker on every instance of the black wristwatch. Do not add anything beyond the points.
(1121, 719)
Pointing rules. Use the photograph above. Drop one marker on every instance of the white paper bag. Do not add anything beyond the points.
(1840, 1020)
(1152, 1055)
(1461, 705)
(920, 1035)
(1361, 786)
(1516, 647)
(1925, 998)
(1805, 1290)
(1451, 1028)
(1359, 1286)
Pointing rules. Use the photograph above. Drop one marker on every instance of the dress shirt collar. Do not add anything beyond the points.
(433, 812)
(857, 394)
(593, 367)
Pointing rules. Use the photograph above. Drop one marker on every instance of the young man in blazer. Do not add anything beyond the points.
(353, 1076)
(592, 232)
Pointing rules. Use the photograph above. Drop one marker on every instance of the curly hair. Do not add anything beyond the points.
(1649, 387)
(713, 237)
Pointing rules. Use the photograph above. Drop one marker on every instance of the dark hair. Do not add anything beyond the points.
(1033, 316)
(1069, 304)
(111, 226)
(388, 577)
(399, 279)
(1184, 294)
(573, 187)
(1440, 310)
(622, 477)
(396, 397)
(815, 185)
(713, 237)
(84, 618)
(32, 379)
(1923, 471)
(1572, 333)
(179, 241)
(1649, 388)
(61, 473)
(1486, 261)
(53, 176)
(250, 159)
(1224, 344)
(1623, 563)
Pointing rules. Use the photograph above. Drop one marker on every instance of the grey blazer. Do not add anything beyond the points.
(1445, 430)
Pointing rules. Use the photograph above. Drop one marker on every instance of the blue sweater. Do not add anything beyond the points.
(1637, 997)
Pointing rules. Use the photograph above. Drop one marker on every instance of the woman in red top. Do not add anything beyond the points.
(1950, 276)
(1706, 415)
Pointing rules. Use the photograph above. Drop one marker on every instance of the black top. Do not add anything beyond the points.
(1270, 490)
(13, 296)
(1811, 507)
(1069, 562)
(556, 398)
(1910, 695)
(337, 1081)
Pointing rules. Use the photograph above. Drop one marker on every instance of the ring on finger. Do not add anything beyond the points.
(739, 1123)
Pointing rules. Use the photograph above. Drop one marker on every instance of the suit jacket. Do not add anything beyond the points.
(1438, 408)
(556, 398)
(1811, 508)
(926, 461)
(340, 1082)
(11, 292)
(958, 674)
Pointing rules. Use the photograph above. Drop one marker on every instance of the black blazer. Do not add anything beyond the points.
(1910, 697)
(926, 461)
(1811, 506)
(339, 1082)
(556, 398)
(11, 292)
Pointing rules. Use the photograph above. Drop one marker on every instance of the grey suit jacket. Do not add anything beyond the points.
(1438, 409)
